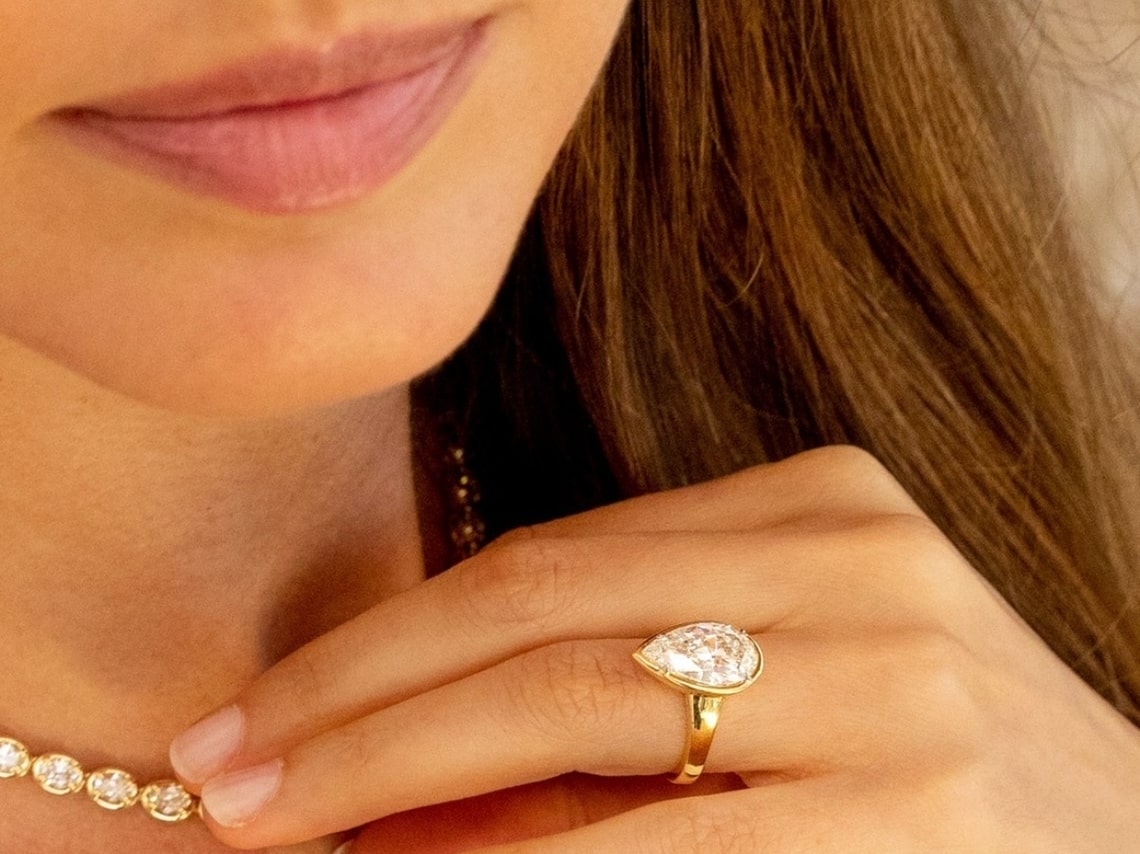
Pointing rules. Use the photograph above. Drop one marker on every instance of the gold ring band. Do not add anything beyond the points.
(708, 661)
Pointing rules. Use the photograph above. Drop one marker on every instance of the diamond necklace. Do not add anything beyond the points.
(167, 800)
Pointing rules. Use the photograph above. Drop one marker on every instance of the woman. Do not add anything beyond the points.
(239, 239)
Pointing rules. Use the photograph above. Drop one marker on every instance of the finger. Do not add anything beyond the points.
(584, 706)
(840, 813)
(836, 481)
(799, 816)
(540, 592)
(522, 813)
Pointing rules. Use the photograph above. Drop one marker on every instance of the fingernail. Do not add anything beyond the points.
(343, 849)
(203, 750)
(236, 799)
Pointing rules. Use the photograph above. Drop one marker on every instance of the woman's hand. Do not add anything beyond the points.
(904, 706)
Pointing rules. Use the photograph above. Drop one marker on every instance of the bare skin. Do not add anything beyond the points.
(904, 706)
(154, 616)
(205, 458)
(206, 474)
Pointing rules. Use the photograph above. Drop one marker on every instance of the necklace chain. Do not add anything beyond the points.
(468, 530)
(167, 800)
(110, 788)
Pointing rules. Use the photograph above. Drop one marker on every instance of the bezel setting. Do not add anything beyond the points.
(709, 658)
(58, 774)
(15, 759)
(167, 800)
(112, 788)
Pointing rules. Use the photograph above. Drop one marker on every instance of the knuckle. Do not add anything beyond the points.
(910, 541)
(913, 533)
(355, 752)
(909, 558)
(939, 668)
(529, 581)
(915, 537)
(513, 536)
(844, 455)
(939, 690)
(571, 691)
(857, 474)
(849, 460)
(305, 685)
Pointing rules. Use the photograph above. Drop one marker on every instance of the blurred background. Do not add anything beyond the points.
(1089, 65)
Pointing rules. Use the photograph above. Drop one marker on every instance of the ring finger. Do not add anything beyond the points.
(574, 706)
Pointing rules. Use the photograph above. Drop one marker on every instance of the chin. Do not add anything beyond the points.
(254, 352)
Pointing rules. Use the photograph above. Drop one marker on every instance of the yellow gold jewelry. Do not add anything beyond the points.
(110, 788)
(708, 661)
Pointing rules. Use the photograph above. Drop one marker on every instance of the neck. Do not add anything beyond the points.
(155, 563)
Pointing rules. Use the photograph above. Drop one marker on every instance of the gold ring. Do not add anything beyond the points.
(708, 661)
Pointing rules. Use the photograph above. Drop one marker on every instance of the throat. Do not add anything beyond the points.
(115, 689)
(153, 587)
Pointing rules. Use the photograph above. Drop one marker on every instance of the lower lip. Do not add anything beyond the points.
(291, 158)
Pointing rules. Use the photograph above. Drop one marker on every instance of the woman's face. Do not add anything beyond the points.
(166, 267)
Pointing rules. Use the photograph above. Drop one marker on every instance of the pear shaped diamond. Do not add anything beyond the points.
(709, 657)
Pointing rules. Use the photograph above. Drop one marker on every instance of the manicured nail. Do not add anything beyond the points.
(236, 799)
(203, 750)
(344, 849)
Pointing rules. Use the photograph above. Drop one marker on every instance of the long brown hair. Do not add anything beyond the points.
(785, 224)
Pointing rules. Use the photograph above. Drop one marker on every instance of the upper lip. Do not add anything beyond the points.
(294, 75)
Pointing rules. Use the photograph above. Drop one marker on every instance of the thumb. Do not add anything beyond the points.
(526, 812)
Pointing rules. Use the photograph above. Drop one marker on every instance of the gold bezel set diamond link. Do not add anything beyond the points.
(109, 788)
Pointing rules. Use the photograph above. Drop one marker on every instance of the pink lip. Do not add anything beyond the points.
(293, 131)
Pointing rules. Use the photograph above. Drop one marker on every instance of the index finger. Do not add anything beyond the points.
(535, 593)
(835, 480)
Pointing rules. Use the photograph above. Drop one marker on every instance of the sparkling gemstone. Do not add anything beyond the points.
(14, 758)
(168, 801)
(703, 656)
(58, 774)
(112, 789)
